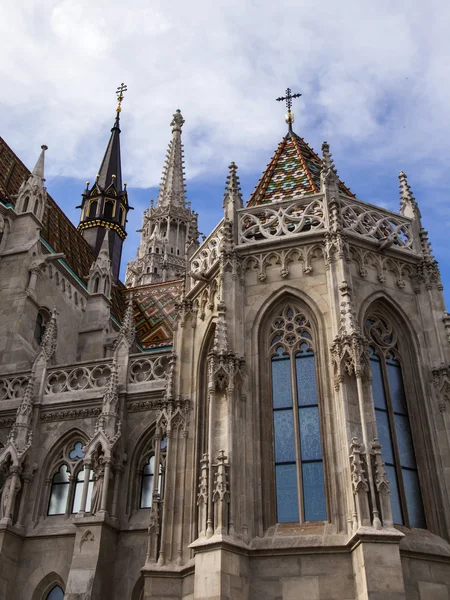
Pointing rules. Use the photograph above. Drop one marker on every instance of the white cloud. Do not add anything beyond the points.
(373, 77)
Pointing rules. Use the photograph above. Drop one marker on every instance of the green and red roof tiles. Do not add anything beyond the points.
(293, 172)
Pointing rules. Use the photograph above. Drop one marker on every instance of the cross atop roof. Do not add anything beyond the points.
(289, 97)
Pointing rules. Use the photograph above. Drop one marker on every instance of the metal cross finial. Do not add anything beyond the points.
(289, 96)
(120, 90)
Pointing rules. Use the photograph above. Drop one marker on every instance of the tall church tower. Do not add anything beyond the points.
(169, 226)
(105, 205)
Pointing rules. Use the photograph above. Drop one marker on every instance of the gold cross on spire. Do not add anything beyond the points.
(289, 96)
(120, 90)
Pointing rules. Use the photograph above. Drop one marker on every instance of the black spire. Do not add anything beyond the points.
(105, 205)
(111, 168)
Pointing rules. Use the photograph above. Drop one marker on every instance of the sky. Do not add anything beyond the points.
(374, 79)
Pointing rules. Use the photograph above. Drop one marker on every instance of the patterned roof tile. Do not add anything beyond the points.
(155, 310)
(293, 171)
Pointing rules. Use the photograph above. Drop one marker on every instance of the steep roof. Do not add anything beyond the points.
(293, 172)
(155, 312)
(57, 229)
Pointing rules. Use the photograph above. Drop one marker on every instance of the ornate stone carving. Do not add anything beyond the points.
(48, 344)
(384, 227)
(83, 377)
(70, 414)
(283, 219)
(284, 258)
(221, 494)
(12, 387)
(441, 380)
(350, 349)
(382, 484)
(366, 259)
(149, 368)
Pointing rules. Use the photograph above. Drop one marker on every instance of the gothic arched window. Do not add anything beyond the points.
(56, 593)
(148, 476)
(93, 209)
(42, 318)
(299, 475)
(68, 481)
(393, 425)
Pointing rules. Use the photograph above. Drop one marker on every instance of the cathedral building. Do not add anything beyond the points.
(260, 416)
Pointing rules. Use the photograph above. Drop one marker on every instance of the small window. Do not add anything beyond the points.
(155, 270)
(93, 209)
(36, 206)
(25, 204)
(42, 319)
(109, 209)
(178, 251)
(56, 593)
(157, 250)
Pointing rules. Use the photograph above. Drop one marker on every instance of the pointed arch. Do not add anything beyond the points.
(143, 450)
(138, 590)
(289, 342)
(401, 419)
(52, 462)
(47, 584)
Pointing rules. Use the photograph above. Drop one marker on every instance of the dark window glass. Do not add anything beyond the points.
(55, 593)
(39, 328)
(59, 492)
(394, 433)
(304, 460)
(109, 209)
(93, 209)
(287, 495)
(314, 491)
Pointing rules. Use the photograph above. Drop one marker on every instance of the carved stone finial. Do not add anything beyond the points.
(177, 121)
(49, 339)
(127, 330)
(408, 204)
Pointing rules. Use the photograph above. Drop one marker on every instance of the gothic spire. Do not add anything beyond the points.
(32, 192)
(111, 167)
(38, 170)
(172, 188)
(105, 205)
(408, 204)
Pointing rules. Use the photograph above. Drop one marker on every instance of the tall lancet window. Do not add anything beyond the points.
(394, 429)
(299, 476)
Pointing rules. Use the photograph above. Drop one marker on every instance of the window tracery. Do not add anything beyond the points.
(299, 475)
(67, 482)
(393, 425)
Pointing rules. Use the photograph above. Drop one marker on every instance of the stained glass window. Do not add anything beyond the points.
(394, 429)
(147, 478)
(299, 476)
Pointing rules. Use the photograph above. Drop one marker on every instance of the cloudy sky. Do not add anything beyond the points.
(375, 79)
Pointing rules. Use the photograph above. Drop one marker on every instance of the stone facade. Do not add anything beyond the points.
(81, 407)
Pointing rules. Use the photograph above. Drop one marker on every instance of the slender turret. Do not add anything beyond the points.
(105, 205)
(168, 226)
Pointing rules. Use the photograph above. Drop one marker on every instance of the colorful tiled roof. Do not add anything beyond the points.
(155, 312)
(293, 172)
(57, 229)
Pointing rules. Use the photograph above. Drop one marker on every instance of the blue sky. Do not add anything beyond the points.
(375, 79)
